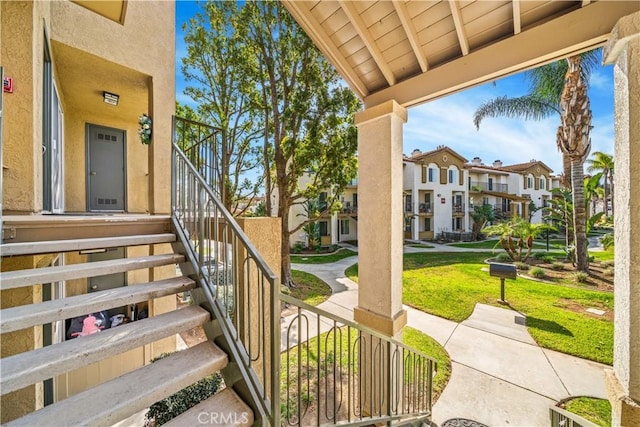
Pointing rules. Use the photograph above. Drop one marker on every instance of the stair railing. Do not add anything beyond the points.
(303, 365)
(334, 371)
(240, 287)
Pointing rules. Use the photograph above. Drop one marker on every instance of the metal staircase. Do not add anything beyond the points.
(326, 371)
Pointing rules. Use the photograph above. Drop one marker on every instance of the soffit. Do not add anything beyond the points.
(412, 51)
(82, 78)
(110, 9)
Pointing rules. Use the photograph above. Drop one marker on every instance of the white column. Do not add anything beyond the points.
(380, 217)
(415, 221)
(623, 383)
(335, 231)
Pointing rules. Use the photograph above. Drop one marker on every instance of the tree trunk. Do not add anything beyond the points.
(579, 217)
(606, 194)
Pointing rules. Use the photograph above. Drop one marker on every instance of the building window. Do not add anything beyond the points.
(542, 183)
(432, 174)
(324, 229)
(485, 201)
(344, 226)
(407, 203)
(529, 182)
(452, 176)
(427, 224)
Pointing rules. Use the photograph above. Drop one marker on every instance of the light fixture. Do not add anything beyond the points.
(110, 98)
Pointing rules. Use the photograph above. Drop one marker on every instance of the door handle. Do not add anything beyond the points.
(93, 173)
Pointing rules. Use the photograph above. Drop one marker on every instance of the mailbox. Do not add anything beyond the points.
(503, 271)
(506, 271)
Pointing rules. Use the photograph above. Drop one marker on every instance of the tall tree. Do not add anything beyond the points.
(216, 66)
(559, 88)
(310, 115)
(603, 162)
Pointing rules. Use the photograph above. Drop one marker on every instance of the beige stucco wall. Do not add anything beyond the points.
(137, 57)
(22, 33)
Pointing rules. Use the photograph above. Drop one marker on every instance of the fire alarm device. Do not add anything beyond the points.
(7, 84)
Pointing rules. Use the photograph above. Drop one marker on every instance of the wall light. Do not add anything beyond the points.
(110, 98)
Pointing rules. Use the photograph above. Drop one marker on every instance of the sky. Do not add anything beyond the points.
(449, 120)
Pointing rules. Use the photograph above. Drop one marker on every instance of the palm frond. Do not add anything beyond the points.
(528, 107)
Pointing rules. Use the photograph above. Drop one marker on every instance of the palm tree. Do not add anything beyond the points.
(603, 162)
(559, 88)
(516, 236)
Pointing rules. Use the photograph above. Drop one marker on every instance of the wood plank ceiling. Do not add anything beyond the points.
(416, 50)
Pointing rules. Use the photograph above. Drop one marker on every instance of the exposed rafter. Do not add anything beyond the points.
(412, 34)
(457, 20)
(326, 45)
(517, 25)
(349, 9)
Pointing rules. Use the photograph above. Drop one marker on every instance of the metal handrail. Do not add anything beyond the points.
(234, 277)
(335, 371)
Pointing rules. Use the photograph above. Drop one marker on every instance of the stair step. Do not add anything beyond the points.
(24, 316)
(55, 246)
(122, 397)
(20, 278)
(32, 367)
(225, 409)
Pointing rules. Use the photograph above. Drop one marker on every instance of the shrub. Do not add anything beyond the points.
(297, 247)
(521, 265)
(537, 272)
(548, 259)
(608, 272)
(608, 263)
(539, 255)
(581, 276)
(558, 266)
(503, 257)
(166, 409)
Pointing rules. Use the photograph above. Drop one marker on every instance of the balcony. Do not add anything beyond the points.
(477, 186)
(425, 208)
(458, 209)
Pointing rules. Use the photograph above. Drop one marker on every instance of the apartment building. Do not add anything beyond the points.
(513, 190)
(435, 193)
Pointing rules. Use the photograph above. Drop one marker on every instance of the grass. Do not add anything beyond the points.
(602, 255)
(323, 259)
(597, 411)
(419, 245)
(309, 288)
(450, 284)
(483, 244)
(427, 345)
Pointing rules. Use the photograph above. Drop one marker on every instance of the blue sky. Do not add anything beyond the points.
(448, 121)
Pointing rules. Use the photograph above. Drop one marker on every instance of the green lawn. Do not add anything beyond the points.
(602, 255)
(491, 244)
(323, 259)
(597, 411)
(450, 284)
(309, 288)
(427, 345)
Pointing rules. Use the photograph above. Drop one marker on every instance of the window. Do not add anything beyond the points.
(322, 201)
(324, 229)
(490, 184)
(407, 203)
(485, 200)
(452, 176)
(529, 182)
(542, 183)
(344, 226)
(431, 175)
(427, 224)
(355, 200)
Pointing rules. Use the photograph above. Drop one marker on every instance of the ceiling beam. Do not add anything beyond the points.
(558, 38)
(312, 27)
(517, 25)
(457, 20)
(361, 28)
(412, 34)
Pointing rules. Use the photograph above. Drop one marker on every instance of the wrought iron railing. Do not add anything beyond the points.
(561, 418)
(486, 186)
(240, 287)
(334, 371)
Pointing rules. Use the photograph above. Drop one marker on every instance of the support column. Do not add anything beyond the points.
(623, 382)
(380, 219)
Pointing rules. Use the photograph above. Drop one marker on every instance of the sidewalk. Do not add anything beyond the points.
(500, 376)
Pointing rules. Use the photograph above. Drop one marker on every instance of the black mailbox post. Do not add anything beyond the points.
(503, 271)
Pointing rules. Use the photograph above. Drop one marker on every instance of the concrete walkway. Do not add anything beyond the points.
(500, 376)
